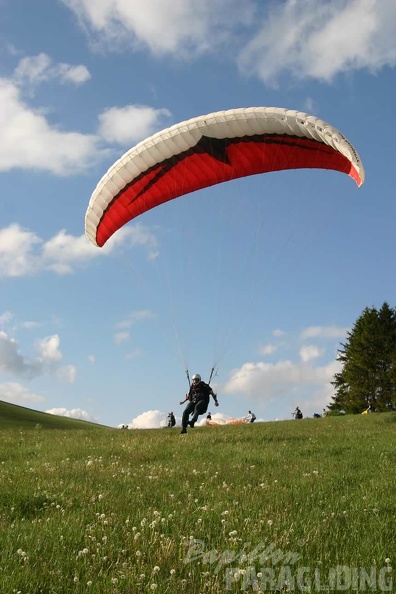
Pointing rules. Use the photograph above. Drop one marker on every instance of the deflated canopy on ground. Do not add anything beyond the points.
(211, 149)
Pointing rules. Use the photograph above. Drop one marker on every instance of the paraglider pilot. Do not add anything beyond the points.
(198, 401)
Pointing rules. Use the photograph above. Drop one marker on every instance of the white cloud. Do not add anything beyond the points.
(38, 69)
(76, 75)
(48, 348)
(310, 106)
(180, 27)
(74, 413)
(23, 253)
(307, 38)
(266, 382)
(5, 318)
(296, 38)
(300, 379)
(131, 123)
(324, 332)
(14, 393)
(315, 39)
(29, 325)
(319, 399)
(134, 235)
(121, 337)
(136, 316)
(67, 374)
(28, 141)
(63, 251)
(310, 352)
(13, 363)
(279, 333)
(267, 349)
(16, 251)
(151, 419)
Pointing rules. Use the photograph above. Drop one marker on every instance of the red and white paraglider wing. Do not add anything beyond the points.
(211, 149)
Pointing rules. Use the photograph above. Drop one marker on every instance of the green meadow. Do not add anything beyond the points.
(301, 506)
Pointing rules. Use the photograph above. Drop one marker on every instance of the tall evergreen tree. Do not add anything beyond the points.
(368, 364)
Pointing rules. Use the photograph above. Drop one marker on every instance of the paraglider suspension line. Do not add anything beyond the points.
(211, 374)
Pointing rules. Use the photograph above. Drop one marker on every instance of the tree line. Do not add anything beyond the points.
(368, 358)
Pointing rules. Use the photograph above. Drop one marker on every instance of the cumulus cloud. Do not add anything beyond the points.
(33, 70)
(74, 413)
(47, 359)
(13, 363)
(297, 38)
(28, 141)
(67, 374)
(314, 39)
(310, 352)
(151, 419)
(136, 316)
(8, 320)
(265, 382)
(120, 337)
(17, 248)
(136, 235)
(5, 318)
(124, 326)
(48, 349)
(300, 378)
(278, 333)
(14, 393)
(24, 253)
(131, 123)
(293, 38)
(267, 349)
(324, 332)
(181, 28)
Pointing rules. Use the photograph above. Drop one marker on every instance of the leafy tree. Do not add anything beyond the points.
(368, 364)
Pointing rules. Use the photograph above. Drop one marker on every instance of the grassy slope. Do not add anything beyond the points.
(114, 512)
(12, 415)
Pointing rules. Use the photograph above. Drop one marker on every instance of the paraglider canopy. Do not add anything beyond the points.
(211, 149)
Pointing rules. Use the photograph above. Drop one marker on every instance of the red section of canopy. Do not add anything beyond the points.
(198, 169)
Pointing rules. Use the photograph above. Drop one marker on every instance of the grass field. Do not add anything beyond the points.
(285, 506)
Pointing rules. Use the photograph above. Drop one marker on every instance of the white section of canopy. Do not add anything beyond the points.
(222, 124)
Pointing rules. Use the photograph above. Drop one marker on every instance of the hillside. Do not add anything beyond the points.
(289, 506)
(12, 415)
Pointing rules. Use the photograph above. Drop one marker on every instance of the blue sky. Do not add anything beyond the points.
(261, 277)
